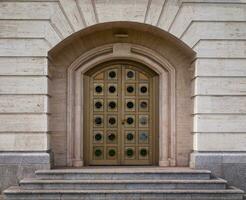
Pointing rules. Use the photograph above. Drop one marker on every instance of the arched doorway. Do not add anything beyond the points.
(149, 47)
(120, 102)
(166, 98)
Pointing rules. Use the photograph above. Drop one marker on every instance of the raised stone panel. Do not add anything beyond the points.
(23, 66)
(37, 11)
(60, 22)
(214, 30)
(24, 142)
(220, 67)
(23, 47)
(220, 123)
(220, 104)
(127, 10)
(219, 86)
(221, 49)
(24, 104)
(154, 11)
(26, 10)
(72, 12)
(53, 35)
(23, 85)
(220, 142)
(206, 12)
(86, 8)
(23, 123)
(21, 29)
(169, 13)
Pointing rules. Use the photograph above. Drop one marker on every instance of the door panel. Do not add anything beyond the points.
(120, 120)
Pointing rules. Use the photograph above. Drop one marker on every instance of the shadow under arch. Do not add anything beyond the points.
(151, 46)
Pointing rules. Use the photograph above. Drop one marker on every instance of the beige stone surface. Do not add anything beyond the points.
(213, 30)
(24, 122)
(220, 123)
(216, 32)
(24, 104)
(24, 141)
(127, 10)
(23, 47)
(24, 66)
(154, 11)
(219, 86)
(221, 67)
(216, 142)
(201, 11)
(24, 85)
(219, 105)
(220, 49)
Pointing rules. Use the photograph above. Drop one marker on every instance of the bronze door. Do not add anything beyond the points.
(121, 116)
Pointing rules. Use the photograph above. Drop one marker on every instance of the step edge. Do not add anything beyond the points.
(110, 181)
(119, 172)
(17, 190)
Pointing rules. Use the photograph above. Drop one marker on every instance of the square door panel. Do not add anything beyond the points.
(98, 89)
(98, 105)
(112, 74)
(143, 89)
(130, 105)
(112, 153)
(98, 137)
(130, 121)
(98, 153)
(112, 121)
(112, 137)
(130, 137)
(143, 153)
(143, 136)
(143, 121)
(98, 121)
(112, 89)
(130, 89)
(143, 105)
(130, 75)
(112, 105)
(130, 153)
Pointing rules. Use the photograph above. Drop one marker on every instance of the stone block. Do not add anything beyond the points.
(235, 174)
(230, 166)
(16, 166)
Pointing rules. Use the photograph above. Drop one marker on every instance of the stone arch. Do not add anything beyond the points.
(112, 41)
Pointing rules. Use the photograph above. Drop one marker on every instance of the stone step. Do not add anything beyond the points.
(125, 174)
(36, 184)
(16, 193)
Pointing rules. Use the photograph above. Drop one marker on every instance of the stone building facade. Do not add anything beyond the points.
(195, 48)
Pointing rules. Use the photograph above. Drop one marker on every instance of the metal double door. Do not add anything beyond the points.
(121, 116)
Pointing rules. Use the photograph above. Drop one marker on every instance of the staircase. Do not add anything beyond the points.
(124, 183)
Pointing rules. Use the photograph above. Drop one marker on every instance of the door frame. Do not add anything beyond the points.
(167, 97)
